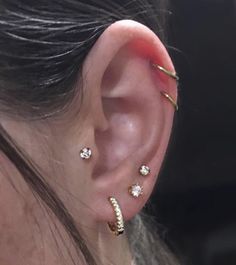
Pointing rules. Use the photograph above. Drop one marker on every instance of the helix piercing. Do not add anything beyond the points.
(144, 170)
(85, 153)
(165, 71)
(172, 101)
(117, 227)
(135, 190)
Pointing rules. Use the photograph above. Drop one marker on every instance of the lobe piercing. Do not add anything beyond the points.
(136, 190)
(144, 170)
(85, 153)
(117, 227)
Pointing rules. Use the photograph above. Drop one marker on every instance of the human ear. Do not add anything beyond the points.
(129, 116)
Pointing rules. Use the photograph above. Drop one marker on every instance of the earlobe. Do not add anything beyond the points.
(128, 93)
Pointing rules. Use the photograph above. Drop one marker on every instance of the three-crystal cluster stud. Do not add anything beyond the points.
(136, 190)
(144, 170)
(86, 153)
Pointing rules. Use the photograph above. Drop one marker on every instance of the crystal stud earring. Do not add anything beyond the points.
(136, 190)
(86, 153)
(144, 170)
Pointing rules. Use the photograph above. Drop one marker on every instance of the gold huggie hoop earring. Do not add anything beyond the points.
(167, 96)
(118, 227)
(165, 71)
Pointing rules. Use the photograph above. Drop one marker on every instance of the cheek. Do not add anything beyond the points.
(16, 230)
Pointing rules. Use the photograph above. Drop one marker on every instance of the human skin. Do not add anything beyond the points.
(125, 121)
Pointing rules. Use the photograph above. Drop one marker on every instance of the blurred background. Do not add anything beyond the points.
(196, 195)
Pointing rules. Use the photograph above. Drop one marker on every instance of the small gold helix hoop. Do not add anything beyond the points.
(172, 101)
(117, 227)
(165, 71)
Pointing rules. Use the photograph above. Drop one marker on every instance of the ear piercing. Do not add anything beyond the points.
(136, 190)
(173, 76)
(165, 71)
(144, 170)
(117, 227)
(171, 100)
(86, 153)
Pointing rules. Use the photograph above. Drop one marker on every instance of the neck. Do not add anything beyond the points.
(105, 247)
(108, 248)
(41, 239)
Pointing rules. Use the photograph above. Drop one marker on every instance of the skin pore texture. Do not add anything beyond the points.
(124, 120)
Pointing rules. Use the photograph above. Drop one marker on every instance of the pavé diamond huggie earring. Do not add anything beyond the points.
(118, 226)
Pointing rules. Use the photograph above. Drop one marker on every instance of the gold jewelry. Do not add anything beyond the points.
(165, 71)
(136, 190)
(118, 227)
(144, 170)
(85, 153)
(172, 101)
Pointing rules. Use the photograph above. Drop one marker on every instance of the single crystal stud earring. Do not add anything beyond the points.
(136, 190)
(86, 153)
(144, 170)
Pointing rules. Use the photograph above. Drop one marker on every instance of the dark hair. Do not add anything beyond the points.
(42, 48)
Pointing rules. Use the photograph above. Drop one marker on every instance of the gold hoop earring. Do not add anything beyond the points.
(165, 71)
(117, 227)
(171, 100)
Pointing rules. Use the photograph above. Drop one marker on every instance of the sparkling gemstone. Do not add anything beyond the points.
(144, 170)
(85, 153)
(136, 190)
